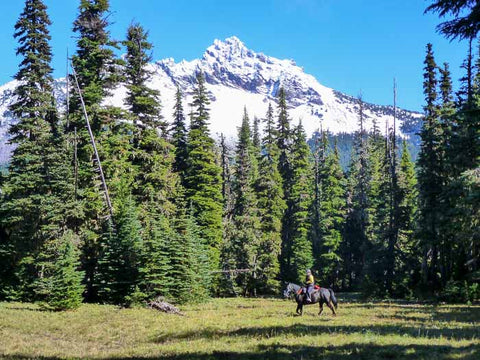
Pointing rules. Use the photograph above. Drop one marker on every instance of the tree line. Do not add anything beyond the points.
(194, 217)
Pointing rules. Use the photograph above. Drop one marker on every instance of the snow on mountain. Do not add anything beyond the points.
(236, 77)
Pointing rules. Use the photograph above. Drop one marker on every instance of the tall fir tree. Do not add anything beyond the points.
(430, 178)
(245, 238)
(463, 150)
(245, 169)
(284, 139)
(141, 100)
(97, 71)
(38, 205)
(466, 142)
(156, 185)
(358, 181)
(377, 260)
(203, 175)
(297, 251)
(407, 261)
(271, 205)
(332, 219)
(319, 156)
(447, 224)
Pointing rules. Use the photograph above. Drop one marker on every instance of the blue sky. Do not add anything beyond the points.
(349, 45)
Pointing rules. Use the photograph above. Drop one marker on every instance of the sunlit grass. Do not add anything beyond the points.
(243, 329)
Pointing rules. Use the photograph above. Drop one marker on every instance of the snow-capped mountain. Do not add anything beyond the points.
(236, 77)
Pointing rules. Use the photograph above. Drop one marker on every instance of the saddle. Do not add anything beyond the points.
(315, 288)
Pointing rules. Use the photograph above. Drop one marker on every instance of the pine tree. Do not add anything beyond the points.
(60, 282)
(120, 255)
(199, 264)
(203, 180)
(430, 179)
(156, 186)
(465, 24)
(190, 267)
(271, 205)
(462, 153)
(358, 179)
(407, 259)
(332, 215)
(378, 259)
(155, 265)
(284, 139)
(465, 93)
(298, 250)
(37, 194)
(449, 193)
(141, 100)
(244, 243)
(319, 170)
(245, 170)
(97, 71)
(469, 236)
(271, 134)
(465, 140)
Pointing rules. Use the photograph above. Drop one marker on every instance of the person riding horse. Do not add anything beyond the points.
(321, 296)
(309, 284)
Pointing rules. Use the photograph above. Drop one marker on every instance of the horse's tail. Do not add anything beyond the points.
(334, 299)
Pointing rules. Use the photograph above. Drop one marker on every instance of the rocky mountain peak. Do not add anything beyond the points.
(229, 49)
(237, 76)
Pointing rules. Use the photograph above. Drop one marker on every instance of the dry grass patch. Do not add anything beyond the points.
(243, 329)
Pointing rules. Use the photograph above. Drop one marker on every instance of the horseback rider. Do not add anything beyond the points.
(309, 283)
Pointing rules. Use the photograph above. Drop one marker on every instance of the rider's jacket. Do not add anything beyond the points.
(309, 280)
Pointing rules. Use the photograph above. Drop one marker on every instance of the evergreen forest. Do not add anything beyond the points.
(161, 207)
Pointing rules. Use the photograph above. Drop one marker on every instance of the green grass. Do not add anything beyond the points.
(243, 329)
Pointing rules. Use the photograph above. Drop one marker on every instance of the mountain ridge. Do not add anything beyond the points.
(237, 76)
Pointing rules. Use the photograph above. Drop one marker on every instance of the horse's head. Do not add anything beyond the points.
(289, 291)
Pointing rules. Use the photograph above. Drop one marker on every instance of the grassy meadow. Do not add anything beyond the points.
(243, 329)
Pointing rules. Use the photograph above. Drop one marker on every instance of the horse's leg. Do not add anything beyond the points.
(300, 309)
(321, 308)
(330, 305)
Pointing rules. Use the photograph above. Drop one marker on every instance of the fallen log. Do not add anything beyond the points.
(161, 305)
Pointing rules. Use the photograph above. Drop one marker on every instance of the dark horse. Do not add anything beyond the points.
(321, 296)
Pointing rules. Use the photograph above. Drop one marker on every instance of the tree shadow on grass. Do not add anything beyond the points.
(464, 314)
(288, 352)
(445, 313)
(327, 329)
